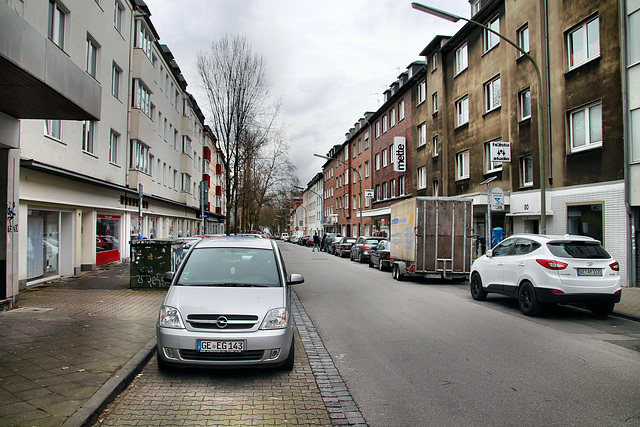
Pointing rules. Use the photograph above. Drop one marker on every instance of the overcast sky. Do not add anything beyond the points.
(329, 61)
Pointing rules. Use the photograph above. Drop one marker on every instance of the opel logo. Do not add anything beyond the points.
(222, 322)
(589, 264)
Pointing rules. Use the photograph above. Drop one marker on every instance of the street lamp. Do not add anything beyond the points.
(455, 18)
(359, 180)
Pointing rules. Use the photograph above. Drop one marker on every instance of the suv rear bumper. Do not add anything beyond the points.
(546, 296)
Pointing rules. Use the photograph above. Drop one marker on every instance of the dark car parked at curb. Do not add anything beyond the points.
(343, 248)
(362, 248)
(381, 256)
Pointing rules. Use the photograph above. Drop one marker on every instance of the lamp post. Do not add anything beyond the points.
(359, 180)
(455, 18)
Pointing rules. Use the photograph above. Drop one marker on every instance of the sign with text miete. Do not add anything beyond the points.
(500, 151)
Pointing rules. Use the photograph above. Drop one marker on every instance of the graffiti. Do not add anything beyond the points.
(11, 214)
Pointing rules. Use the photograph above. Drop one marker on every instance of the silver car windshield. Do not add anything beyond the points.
(230, 267)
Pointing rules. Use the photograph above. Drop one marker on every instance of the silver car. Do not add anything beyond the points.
(229, 304)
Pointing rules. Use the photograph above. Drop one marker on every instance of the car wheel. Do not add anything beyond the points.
(360, 257)
(371, 264)
(351, 256)
(395, 272)
(602, 310)
(288, 364)
(477, 293)
(527, 300)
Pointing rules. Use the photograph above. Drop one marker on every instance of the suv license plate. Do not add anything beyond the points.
(589, 272)
(221, 346)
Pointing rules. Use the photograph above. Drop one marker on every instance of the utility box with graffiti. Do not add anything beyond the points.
(150, 259)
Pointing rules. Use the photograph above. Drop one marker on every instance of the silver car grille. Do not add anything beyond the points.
(222, 321)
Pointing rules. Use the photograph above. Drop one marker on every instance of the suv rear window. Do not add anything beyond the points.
(585, 250)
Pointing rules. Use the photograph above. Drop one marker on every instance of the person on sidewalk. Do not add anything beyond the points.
(316, 243)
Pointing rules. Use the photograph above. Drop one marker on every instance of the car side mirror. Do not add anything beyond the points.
(295, 279)
(168, 276)
(489, 253)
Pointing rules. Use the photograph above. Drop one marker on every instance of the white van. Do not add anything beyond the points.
(284, 237)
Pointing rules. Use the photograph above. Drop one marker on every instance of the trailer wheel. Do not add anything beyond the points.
(395, 272)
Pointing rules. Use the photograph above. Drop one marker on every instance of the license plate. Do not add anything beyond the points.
(589, 272)
(221, 346)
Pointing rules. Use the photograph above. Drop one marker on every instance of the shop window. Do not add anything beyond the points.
(586, 220)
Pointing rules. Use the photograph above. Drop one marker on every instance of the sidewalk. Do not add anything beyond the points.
(75, 343)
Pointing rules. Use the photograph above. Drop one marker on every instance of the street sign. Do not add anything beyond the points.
(497, 199)
(368, 194)
(500, 151)
(400, 147)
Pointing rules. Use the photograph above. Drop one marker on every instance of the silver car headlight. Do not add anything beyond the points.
(276, 318)
(170, 318)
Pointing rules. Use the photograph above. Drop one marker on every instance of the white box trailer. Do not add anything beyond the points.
(431, 237)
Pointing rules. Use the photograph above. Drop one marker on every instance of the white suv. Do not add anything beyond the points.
(540, 269)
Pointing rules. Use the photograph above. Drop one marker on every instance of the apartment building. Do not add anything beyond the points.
(122, 159)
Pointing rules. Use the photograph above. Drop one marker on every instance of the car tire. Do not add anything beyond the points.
(395, 272)
(528, 301)
(288, 364)
(371, 264)
(477, 293)
(360, 257)
(602, 310)
(351, 256)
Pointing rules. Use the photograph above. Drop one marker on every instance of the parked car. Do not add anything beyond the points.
(331, 249)
(284, 237)
(343, 248)
(362, 247)
(540, 269)
(330, 237)
(303, 240)
(380, 257)
(294, 239)
(229, 304)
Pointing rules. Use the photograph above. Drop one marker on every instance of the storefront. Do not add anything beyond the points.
(108, 238)
(43, 229)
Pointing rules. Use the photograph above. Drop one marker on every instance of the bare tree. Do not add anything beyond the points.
(242, 112)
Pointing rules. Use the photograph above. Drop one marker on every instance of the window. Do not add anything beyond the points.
(583, 43)
(462, 111)
(434, 61)
(586, 220)
(401, 110)
(88, 136)
(392, 117)
(491, 40)
(175, 180)
(523, 39)
(435, 146)
(434, 102)
(489, 165)
(377, 161)
(422, 92)
(360, 146)
(53, 129)
(346, 201)
(354, 202)
(462, 164)
(116, 80)
(392, 188)
(140, 156)
(346, 153)
(143, 39)
(384, 190)
(436, 188)
(118, 16)
(186, 145)
(422, 135)
(526, 166)
(585, 127)
(56, 24)
(366, 169)
(385, 124)
(462, 60)
(141, 98)
(634, 37)
(392, 154)
(525, 104)
(635, 135)
(186, 183)
(92, 58)
(422, 177)
(401, 184)
(378, 129)
(114, 146)
(366, 141)
(492, 95)
(384, 158)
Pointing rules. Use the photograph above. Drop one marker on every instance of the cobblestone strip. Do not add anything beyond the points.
(341, 406)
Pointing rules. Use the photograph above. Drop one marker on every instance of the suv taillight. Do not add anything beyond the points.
(615, 266)
(551, 264)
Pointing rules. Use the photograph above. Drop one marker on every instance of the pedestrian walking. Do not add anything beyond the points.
(316, 243)
(324, 237)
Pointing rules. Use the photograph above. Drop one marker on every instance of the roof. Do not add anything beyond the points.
(235, 242)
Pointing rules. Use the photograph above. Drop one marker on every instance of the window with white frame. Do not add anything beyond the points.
(462, 111)
(434, 61)
(583, 43)
(525, 104)
(346, 201)
(385, 124)
(53, 129)
(152, 171)
(366, 141)
(175, 180)
(422, 92)
(140, 156)
(57, 23)
(634, 38)
(523, 39)
(384, 190)
(378, 194)
(114, 147)
(141, 97)
(92, 57)
(422, 135)
(354, 202)
(462, 165)
(186, 183)
(378, 129)
(88, 136)
(116, 80)
(585, 127)
(462, 59)
(384, 158)
(355, 177)
(422, 177)
(366, 169)
(401, 110)
(492, 94)
(434, 102)
(526, 166)
(435, 146)
(186, 145)
(401, 185)
(392, 117)
(118, 16)
(143, 39)
(377, 159)
(392, 154)
(491, 39)
(359, 145)
(490, 166)
(392, 188)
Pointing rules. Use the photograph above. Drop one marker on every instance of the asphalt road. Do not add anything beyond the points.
(424, 353)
